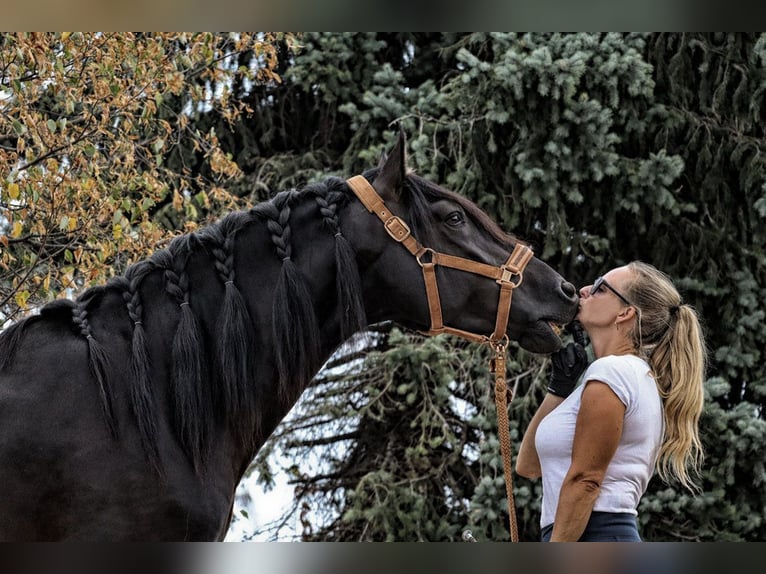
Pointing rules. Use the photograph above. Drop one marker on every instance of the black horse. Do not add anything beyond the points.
(133, 412)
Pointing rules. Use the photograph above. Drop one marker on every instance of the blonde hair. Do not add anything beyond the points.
(669, 336)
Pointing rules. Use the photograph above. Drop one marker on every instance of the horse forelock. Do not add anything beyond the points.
(420, 193)
(427, 192)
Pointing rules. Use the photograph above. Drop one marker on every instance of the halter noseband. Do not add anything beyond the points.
(509, 275)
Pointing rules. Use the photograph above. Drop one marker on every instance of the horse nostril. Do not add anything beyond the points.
(569, 290)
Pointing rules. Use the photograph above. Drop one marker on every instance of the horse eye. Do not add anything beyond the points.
(455, 219)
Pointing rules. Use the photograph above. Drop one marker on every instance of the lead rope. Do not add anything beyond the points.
(497, 368)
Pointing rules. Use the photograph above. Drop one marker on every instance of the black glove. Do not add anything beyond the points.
(568, 363)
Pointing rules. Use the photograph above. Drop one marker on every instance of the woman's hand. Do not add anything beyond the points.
(568, 364)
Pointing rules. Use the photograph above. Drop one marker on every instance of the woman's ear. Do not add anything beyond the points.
(626, 314)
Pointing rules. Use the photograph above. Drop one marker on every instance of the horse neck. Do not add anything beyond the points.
(257, 300)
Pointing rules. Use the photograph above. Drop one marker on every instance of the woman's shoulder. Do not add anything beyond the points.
(608, 369)
(620, 361)
(620, 372)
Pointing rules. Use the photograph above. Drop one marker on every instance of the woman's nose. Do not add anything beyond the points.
(585, 291)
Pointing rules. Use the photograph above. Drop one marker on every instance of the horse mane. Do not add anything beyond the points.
(200, 396)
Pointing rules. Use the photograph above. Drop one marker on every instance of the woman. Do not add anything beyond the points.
(637, 410)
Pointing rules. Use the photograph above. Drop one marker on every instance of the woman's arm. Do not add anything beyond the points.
(597, 435)
(567, 365)
(527, 463)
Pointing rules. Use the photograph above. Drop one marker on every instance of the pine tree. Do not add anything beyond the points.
(599, 149)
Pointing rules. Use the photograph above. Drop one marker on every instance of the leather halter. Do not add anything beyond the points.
(509, 275)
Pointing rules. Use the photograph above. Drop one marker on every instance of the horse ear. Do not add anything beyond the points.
(393, 169)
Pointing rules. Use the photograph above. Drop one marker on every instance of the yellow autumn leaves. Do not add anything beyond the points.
(90, 124)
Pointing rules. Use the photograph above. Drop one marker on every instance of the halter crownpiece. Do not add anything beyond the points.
(509, 275)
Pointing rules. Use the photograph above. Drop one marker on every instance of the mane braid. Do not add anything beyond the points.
(235, 336)
(295, 327)
(98, 361)
(190, 396)
(348, 285)
(142, 402)
(193, 401)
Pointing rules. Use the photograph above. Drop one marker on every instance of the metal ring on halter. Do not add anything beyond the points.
(499, 345)
(423, 252)
(507, 275)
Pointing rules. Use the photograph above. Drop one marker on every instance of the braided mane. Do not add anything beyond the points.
(213, 380)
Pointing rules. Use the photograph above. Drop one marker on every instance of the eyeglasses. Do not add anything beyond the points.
(601, 282)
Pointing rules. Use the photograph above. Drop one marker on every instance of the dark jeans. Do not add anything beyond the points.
(604, 527)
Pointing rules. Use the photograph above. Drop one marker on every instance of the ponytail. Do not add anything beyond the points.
(669, 335)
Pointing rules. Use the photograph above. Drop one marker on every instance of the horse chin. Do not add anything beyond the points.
(541, 337)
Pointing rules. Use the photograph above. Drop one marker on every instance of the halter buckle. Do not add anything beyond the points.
(397, 228)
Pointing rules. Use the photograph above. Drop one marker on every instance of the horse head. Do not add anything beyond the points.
(446, 228)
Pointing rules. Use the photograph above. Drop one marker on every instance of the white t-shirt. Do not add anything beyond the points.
(629, 471)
